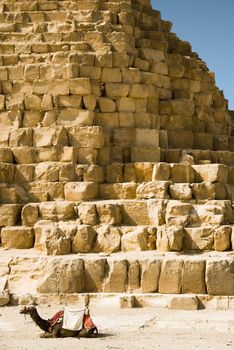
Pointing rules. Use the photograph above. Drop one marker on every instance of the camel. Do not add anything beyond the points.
(53, 327)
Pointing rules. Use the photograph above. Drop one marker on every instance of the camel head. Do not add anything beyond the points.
(27, 310)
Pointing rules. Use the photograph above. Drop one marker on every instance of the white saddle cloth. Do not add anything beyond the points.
(73, 319)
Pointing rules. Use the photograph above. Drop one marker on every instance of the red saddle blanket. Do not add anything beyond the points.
(87, 320)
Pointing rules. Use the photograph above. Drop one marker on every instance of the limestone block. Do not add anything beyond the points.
(170, 276)
(222, 238)
(69, 117)
(32, 102)
(126, 104)
(161, 172)
(55, 87)
(135, 240)
(193, 276)
(47, 172)
(108, 239)
(116, 279)
(156, 211)
(67, 154)
(49, 118)
(143, 119)
(47, 102)
(93, 173)
(145, 154)
(125, 190)
(150, 271)
(116, 90)
(203, 141)
(147, 137)
(24, 173)
(52, 241)
(19, 237)
(114, 173)
(4, 294)
(182, 173)
(9, 195)
(80, 86)
(48, 136)
(4, 136)
(111, 75)
(30, 215)
(70, 101)
(9, 214)
(131, 75)
(45, 154)
(61, 276)
(11, 118)
(170, 238)
(20, 137)
(134, 275)
(89, 102)
(180, 191)
(6, 155)
(219, 276)
(109, 213)
(204, 190)
(107, 120)
(67, 172)
(209, 214)
(126, 119)
(198, 238)
(56, 211)
(180, 139)
(94, 275)
(6, 172)
(32, 118)
(84, 239)
(211, 172)
(182, 107)
(183, 302)
(142, 65)
(87, 156)
(90, 136)
(78, 191)
(135, 213)
(143, 171)
(153, 189)
(106, 105)
(87, 213)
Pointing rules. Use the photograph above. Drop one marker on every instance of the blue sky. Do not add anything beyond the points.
(209, 27)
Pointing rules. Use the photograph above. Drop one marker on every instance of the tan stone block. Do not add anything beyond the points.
(20, 137)
(6, 173)
(108, 239)
(126, 104)
(209, 214)
(67, 172)
(57, 211)
(47, 102)
(219, 276)
(161, 172)
(143, 171)
(152, 55)
(11, 118)
(9, 214)
(131, 75)
(135, 240)
(23, 155)
(6, 155)
(88, 214)
(30, 215)
(111, 75)
(70, 101)
(18, 237)
(126, 119)
(116, 90)
(16, 72)
(94, 173)
(142, 65)
(211, 172)
(107, 120)
(2, 102)
(116, 280)
(9, 195)
(91, 72)
(145, 154)
(135, 213)
(80, 86)
(32, 118)
(198, 238)
(3, 73)
(55, 87)
(4, 136)
(170, 277)
(222, 238)
(106, 104)
(46, 154)
(182, 173)
(180, 191)
(84, 239)
(204, 190)
(114, 173)
(94, 275)
(153, 189)
(150, 271)
(180, 139)
(70, 117)
(76, 191)
(67, 154)
(109, 213)
(170, 238)
(90, 102)
(87, 156)
(31, 72)
(183, 302)
(47, 172)
(24, 173)
(49, 119)
(156, 211)
(125, 190)
(51, 241)
(193, 276)
(92, 136)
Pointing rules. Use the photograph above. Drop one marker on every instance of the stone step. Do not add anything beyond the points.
(145, 273)
(11, 48)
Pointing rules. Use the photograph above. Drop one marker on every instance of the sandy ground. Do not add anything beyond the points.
(141, 328)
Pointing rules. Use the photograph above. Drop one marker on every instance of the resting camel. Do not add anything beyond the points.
(53, 327)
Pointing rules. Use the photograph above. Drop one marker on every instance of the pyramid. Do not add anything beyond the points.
(116, 155)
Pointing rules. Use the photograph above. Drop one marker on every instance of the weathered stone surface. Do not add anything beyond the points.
(136, 240)
(108, 239)
(9, 214)
(56, 211)
(76, 191)
(88, 214)
(94, 275)
(170, 277)
(153, 189)
(30, 214)
(180, 191)
(222, 238)
(170, 238)
(135, 213)
(19, 237)
(161, 172)
(51, 240)
(198, 238)
(219, 277)
(211, 172)
(183, 303)
(193, 276)
(83, 241)
(116, 278)
(109, 213)
(150, 271)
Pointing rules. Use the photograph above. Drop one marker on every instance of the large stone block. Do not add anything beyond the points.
(153, 189)
(47, 172)
(182, 173)
(108, 239)
(222, 238)
(170, 238)
(19, 237)
(52, 240)
(150, 271)
(80, 117)
(198, 238)
(24, 173)
(193, 276)
(84, 239)
(80, 86)
(94, 275)
(145, 154)
(56, 211)
(135, 213)
(116, 278)
(211, 172)
(204, 190)
(135, 240)
(109, 213)
(161, 172)
(92, 136)
(125, 190)
(88, 214)
(30, 215)
(220, 276)
(78, 191)
(180, 191)
(9, 214)
(170, 277)
(49, 136)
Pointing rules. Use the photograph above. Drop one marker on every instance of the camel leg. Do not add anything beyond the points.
(91, 333)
